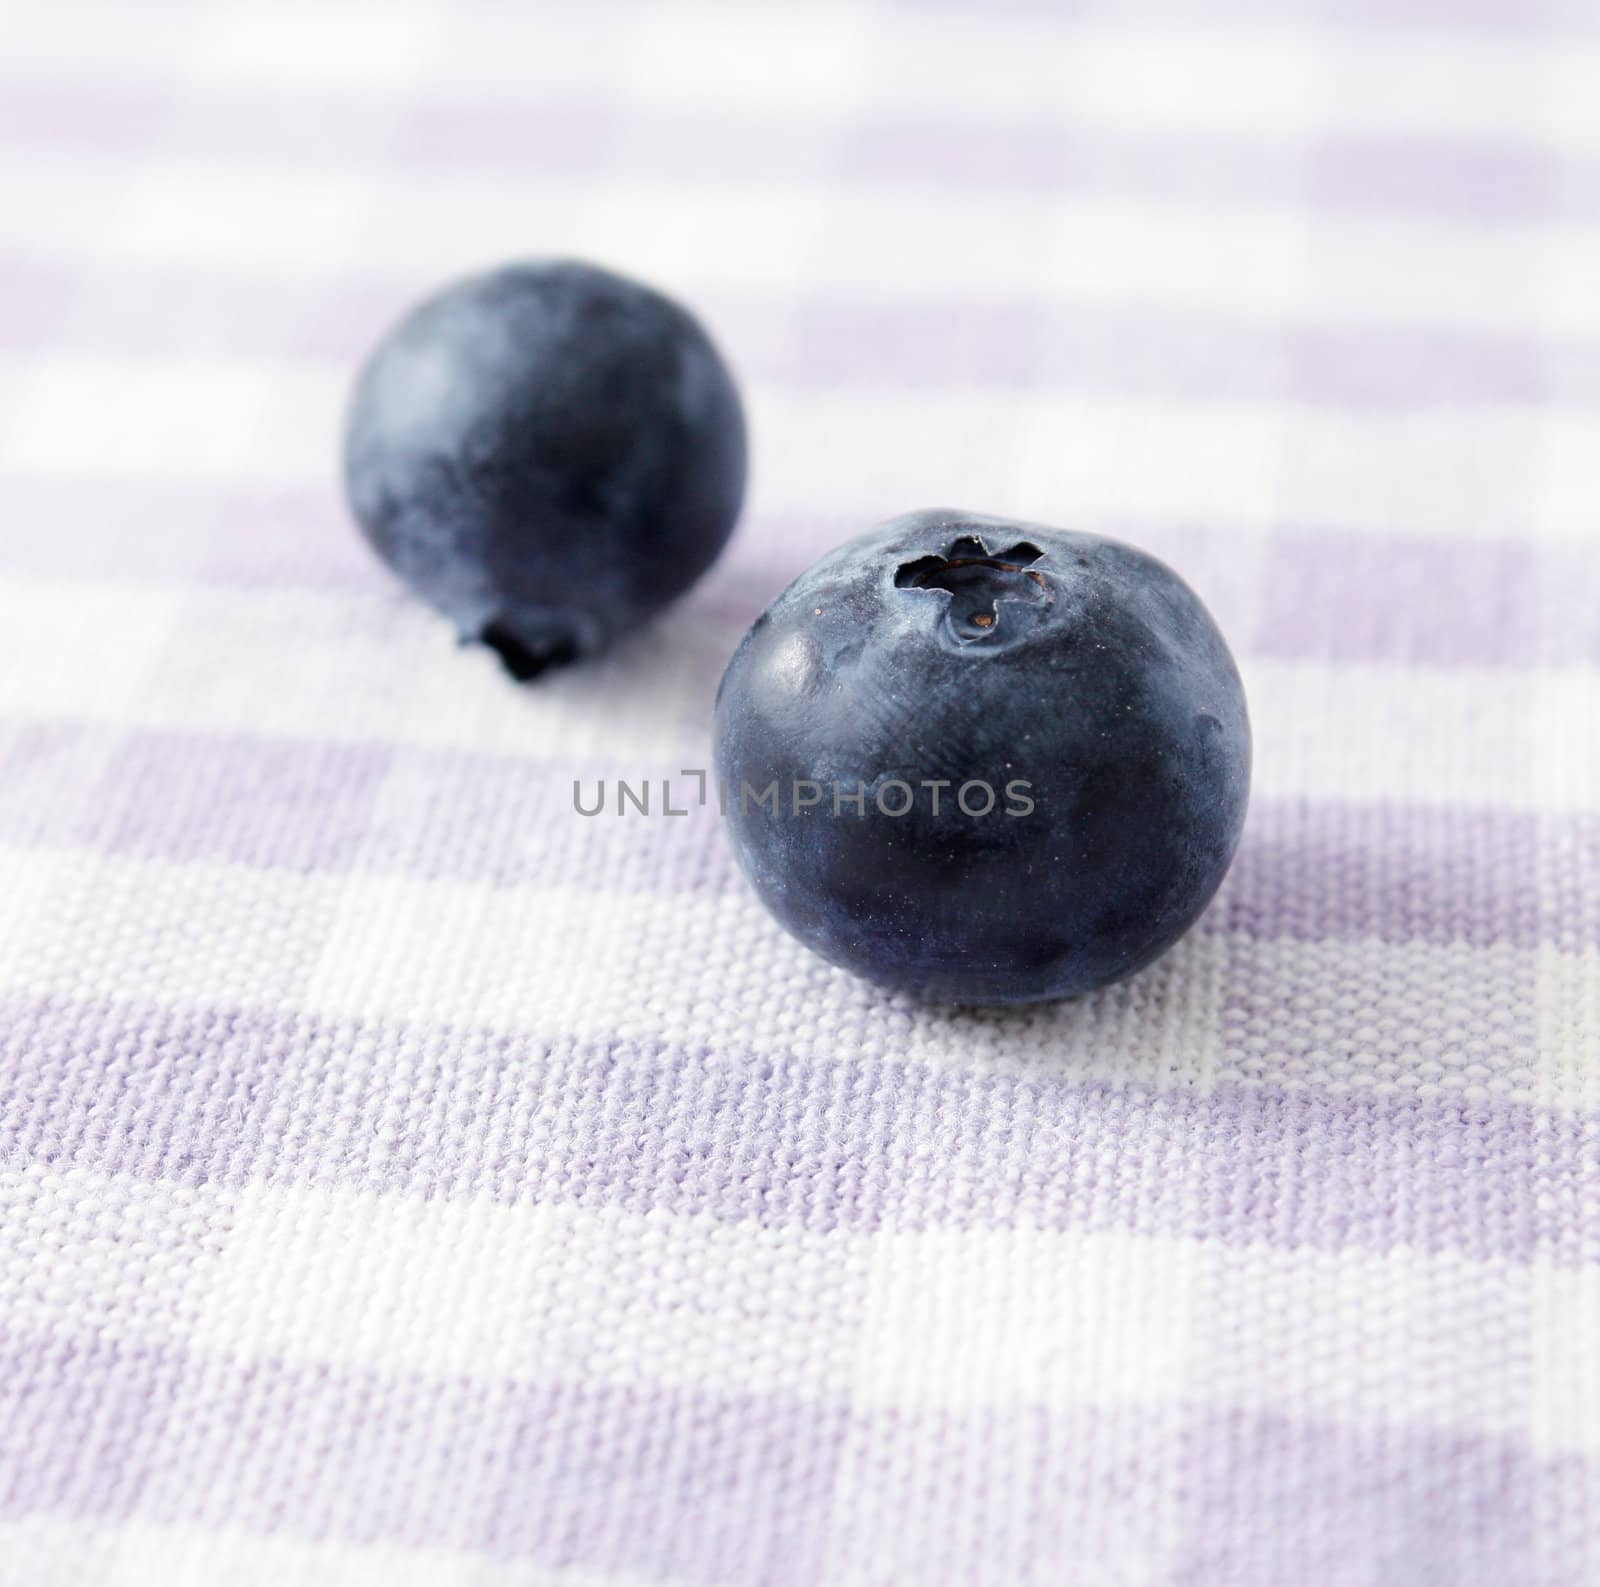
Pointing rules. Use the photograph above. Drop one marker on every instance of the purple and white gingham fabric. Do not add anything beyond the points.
(406, 1182)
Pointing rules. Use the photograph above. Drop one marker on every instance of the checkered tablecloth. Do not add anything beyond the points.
(410, 1183)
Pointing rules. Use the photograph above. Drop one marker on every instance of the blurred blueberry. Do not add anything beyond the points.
(547, 453)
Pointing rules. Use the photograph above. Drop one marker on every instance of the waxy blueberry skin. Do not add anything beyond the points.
(547, 454)
(952, 647)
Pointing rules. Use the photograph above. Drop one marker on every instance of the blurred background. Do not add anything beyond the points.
(411, 1182)
(1228, 278)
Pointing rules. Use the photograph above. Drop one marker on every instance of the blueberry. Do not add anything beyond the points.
(982, 761)
(547, 453)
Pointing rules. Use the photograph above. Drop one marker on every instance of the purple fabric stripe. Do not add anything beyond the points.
(1428, 601)
(1324, 594)
(618, 1479)
(1053, 156)
(1510, 16)
(1325, 870)
(1534, 17)
(35, 298)
(1473, 182)
(227, 1097)
(1130, 349)
(1422, 176)
(181, 531)
(178, 311)
(687, 1485)
(1344, 597)
(79, 1419)
(286, 804)
(114, 113)
(1142, 350)
(1269, 1501)
(1397, 367)
(1316, 871)
(325, 808)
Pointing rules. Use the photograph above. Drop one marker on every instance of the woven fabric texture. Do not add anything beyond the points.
(408, 1182)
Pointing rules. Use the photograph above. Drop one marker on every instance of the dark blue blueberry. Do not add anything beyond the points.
(1055, 713)
(548, 454)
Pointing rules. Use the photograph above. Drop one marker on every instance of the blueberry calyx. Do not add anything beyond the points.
(976, 581)
(525, 657)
